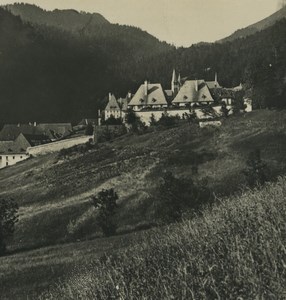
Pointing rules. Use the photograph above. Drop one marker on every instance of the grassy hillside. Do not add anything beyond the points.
(235, 250)
(57, 229)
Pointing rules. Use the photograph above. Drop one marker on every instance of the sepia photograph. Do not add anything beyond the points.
(143, 150)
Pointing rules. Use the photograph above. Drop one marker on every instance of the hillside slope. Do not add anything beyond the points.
(236, 250)
(57, 234)
(261, 25)
(53, 186)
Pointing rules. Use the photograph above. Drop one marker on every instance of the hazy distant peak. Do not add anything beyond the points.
(67, 19)
(258, 26)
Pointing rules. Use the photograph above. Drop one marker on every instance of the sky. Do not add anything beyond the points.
(179, 22)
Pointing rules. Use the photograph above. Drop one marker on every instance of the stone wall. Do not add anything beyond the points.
(57, 146)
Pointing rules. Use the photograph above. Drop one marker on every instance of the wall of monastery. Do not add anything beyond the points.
(57, 146)
(146, 115)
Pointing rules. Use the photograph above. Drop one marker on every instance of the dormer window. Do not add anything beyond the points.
(141, 100)
(185, 97)
(154, 100)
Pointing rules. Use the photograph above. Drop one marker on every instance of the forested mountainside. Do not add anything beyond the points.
(258, 26)
(60, 66)
(49, 73)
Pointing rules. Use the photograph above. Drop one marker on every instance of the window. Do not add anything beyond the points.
(21, 156)
(0, 157)
(7, 163)
(13, 157)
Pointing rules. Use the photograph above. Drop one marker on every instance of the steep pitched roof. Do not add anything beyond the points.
(18, 146)
(155, 95)
(221, 93)
(193, 91)
(112, 104)
(213, 84)
(55, 130)
(42, 131)
(169, 93)
(11, 131)
(123, 103)
(87, 121)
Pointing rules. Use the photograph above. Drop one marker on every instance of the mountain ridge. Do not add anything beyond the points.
(67, 19)
(258, 26)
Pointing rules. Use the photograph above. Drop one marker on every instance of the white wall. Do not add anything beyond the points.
(11, 159)
(57, 146)
(146, 115)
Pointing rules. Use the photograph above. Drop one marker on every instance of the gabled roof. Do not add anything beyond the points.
(123, 103)
(55, 130)
(112, 104)
(42, 131)
(169, 93)
(87, 121)
(213, 84)
(155, 95)
(11, 131)
(193, 91)
(12, 147)
(221, 93)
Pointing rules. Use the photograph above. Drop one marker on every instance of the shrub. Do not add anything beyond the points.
(105, 202)
(89, 129)
(256, 172)
(8, 219)
(168, 121)
(178, 195)
(112, 121)
(134, 122)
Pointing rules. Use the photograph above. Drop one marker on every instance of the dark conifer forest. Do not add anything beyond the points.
(60, 65)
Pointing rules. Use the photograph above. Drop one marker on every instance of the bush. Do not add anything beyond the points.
(89, 129)
(168, 121)
(177, 196)
(8, 219)
(256, 172)
(105, 202)
(134, 122)
(112, 121)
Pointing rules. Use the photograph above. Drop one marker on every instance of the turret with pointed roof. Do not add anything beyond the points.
(175, 83)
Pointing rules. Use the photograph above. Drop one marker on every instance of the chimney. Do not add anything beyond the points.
(129, 95)
(196, 85)
(35, 124)
(109, 96)
(146, 88)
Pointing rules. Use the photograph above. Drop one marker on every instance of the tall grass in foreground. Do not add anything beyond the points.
(235, 250)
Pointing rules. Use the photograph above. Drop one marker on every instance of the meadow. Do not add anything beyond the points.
(234, 250)
(57, 241)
